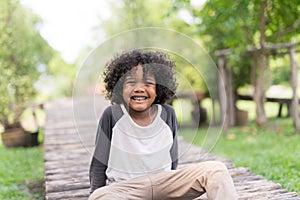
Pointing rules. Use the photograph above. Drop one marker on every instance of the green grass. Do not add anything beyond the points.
(22, 169)
(21, 173)
(271, 150)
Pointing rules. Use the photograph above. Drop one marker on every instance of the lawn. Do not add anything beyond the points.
(21, 173)
(271, 150)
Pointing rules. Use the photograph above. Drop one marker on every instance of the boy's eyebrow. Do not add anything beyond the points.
(148, 78)
(129, 77)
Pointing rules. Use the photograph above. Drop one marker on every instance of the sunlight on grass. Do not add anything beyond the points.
(271, 109)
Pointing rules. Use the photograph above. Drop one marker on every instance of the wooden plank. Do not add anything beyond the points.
(60, 186)
(71, 194)
(77, 176)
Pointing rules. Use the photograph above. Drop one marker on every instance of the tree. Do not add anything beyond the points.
(244, 25)
(22, 50)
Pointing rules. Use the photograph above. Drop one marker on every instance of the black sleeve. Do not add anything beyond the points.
(102, 147)
(174, 153)
(171, 120)
(174, 149)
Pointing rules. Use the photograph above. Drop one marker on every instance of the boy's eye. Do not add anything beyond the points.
(134, 82)
(130, 82)
(149, 83)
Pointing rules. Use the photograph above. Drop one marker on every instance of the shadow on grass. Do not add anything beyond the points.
(36, 188)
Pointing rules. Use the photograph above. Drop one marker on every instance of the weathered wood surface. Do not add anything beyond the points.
(68, 144)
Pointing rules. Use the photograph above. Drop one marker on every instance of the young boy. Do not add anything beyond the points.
(136, 151)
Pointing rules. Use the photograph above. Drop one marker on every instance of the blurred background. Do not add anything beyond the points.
(255, 45)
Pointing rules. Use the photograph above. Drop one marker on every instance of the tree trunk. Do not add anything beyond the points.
(230, 98)
(259, 70)
(222, 93)
(258, 74)
(294, 104)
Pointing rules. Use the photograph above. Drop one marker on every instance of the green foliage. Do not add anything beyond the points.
(280, 70)
(131, 14)
(21, 172)
(188, 78)
(236, 25)
(63, 74)
(22, 49)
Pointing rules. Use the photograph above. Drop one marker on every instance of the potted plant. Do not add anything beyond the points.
(24, 55)
(12, 107)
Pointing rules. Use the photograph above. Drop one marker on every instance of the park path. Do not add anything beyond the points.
(68, 142)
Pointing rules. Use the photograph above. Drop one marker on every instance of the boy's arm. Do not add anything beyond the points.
(101, 154)
(170, 117)
(174, 149)
(97, 175)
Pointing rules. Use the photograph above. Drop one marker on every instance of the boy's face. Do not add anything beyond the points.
(139, 92)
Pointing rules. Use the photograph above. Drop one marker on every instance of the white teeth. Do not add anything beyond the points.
(138, 98)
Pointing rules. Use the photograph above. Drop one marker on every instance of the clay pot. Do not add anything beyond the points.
(18, 137)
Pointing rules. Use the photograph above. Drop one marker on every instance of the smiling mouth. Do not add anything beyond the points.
(139, 98)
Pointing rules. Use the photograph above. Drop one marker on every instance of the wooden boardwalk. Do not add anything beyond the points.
(68, 147)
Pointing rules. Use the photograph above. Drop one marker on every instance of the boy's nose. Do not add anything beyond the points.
(139, 87)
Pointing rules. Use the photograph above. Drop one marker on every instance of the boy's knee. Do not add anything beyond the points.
(104, 194)
(214, 167)
(218, 165)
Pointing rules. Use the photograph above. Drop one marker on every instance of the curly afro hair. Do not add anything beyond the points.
(156, 63)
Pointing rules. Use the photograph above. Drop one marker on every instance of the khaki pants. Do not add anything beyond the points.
(186, 183)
